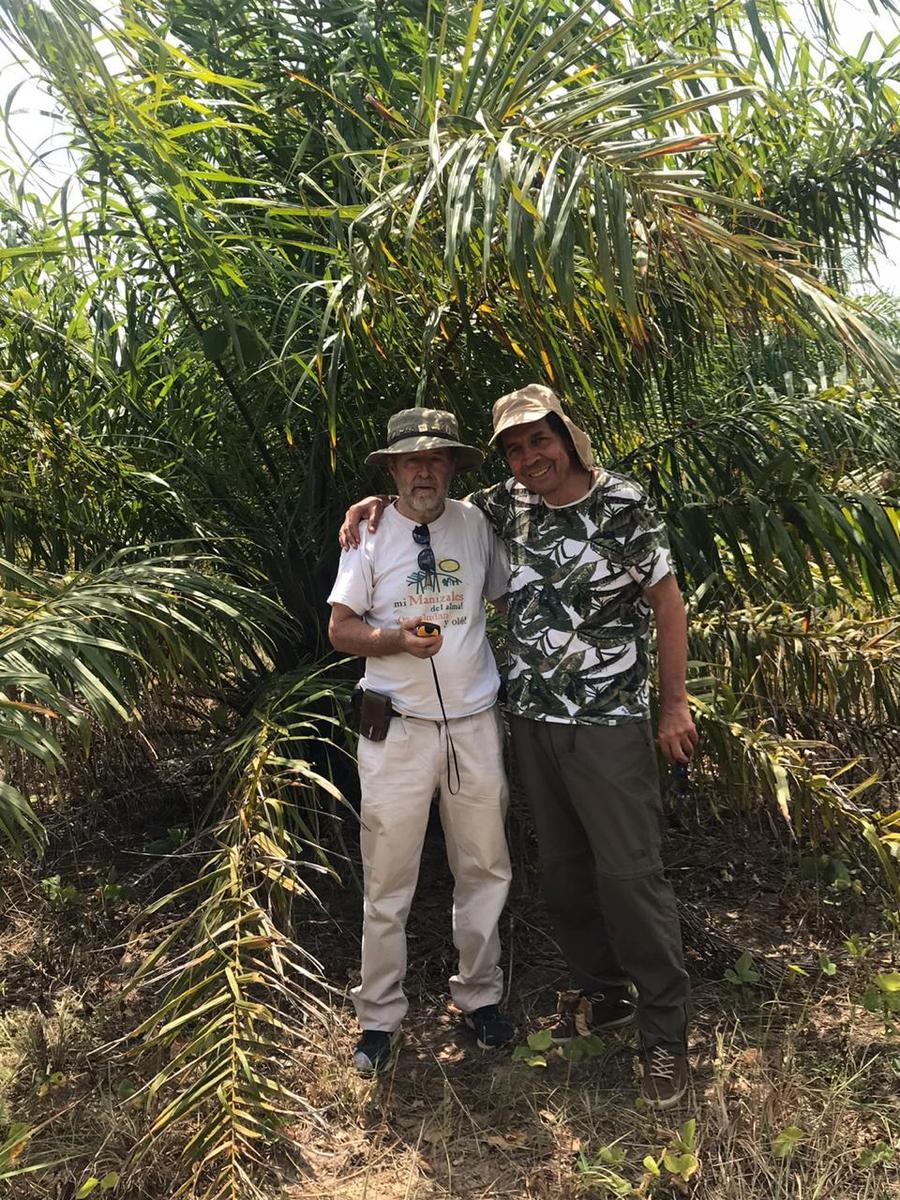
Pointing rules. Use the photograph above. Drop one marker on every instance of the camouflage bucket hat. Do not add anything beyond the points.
(426, 429)
(532, 403)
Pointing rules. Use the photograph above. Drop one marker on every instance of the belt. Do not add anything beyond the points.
(429, 720)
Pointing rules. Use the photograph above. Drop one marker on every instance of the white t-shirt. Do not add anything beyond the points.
(383, 583)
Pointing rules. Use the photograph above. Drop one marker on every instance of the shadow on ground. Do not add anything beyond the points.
(794, 1090)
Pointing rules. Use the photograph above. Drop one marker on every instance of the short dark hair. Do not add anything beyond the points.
(558, 425)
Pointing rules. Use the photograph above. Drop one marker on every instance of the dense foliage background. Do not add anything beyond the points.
(284, 223)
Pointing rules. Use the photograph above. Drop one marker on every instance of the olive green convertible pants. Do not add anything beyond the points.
(594, 795)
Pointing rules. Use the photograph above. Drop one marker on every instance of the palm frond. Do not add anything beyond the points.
(569, 206)
(90, 646)
(785, 496)
(235, 990)
(764, 680)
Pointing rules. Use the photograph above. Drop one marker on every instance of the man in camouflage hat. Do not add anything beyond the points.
(589, 563)
(436, 726)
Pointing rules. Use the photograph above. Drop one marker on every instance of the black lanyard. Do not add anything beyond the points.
(450, 746)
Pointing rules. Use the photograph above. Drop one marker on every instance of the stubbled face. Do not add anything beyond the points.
(422, 480)
(539, 459)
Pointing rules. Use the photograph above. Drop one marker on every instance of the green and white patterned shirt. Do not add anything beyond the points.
(577, 620)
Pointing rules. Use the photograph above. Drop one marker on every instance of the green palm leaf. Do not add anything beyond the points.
(93, 644)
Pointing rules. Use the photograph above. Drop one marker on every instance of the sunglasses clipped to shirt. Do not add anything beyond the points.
(422, 537)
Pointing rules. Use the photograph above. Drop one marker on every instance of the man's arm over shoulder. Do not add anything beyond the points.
(494, 503)
(364, 513)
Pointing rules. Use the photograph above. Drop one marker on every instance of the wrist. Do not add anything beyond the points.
(388, 641)
(673, 703)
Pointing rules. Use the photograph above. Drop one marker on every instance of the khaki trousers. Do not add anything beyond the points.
(398, 778)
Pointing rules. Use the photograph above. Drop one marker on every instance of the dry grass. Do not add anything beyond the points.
(451, 1121)
(454, 1122)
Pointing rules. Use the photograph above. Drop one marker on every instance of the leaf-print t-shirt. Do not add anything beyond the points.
(577, 619)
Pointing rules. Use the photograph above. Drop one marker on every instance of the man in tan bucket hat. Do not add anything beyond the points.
(428, 721)
(534, 403)
(590, 563)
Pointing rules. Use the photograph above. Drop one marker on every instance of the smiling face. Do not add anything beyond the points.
(543, 462)
(422, 480)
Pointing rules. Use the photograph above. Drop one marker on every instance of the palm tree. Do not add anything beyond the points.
(291, 220)
(86, 651)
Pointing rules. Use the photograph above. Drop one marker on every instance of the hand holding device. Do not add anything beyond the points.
(420, 638)
(426, 628)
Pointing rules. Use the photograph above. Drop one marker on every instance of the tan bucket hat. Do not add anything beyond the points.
(532, 403)
(415, 429)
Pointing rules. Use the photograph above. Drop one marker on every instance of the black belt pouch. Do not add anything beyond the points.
(374, 710)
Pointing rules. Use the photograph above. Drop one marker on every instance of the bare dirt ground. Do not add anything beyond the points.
(796, 1087)
(454, 1121)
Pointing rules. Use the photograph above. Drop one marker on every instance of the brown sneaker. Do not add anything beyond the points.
(578, 1015)
(666, 1076)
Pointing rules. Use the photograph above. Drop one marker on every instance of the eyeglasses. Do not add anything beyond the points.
(422, 537)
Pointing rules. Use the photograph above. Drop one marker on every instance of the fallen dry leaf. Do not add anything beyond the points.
(509, 1141)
